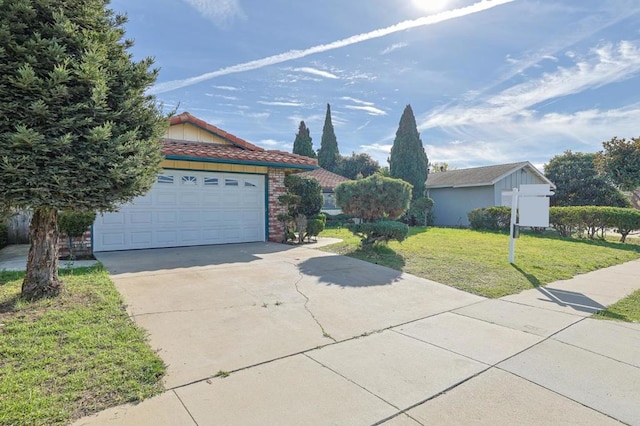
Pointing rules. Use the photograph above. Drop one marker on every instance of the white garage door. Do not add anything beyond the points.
(186, 209)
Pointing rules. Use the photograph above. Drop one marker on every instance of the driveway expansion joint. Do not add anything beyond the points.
(353, 382)
(185, 407)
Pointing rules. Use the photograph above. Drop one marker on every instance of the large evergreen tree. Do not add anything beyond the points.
(302, 145)
(77, 131)
(328, 154)
(408, 160)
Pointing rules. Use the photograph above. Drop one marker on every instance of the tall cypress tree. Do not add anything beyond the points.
(408, 160)
(328, 154)
(77, 131)
(303, 145)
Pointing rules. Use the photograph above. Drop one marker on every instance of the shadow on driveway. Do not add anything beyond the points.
(132, 261)
(348, 272)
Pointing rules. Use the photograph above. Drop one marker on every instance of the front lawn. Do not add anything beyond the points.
(627, 309)
(477, 262)
(73, 355)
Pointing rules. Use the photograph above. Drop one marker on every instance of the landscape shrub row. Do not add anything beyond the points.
(582, 221)
(593, 221)
(495, 218)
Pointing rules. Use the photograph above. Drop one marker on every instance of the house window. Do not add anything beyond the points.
(165, 179)
(211, 181)
(249, 184)
(189, 180)
(329, 200)
(231, 182)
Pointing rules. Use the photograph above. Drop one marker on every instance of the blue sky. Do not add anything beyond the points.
(490, 82)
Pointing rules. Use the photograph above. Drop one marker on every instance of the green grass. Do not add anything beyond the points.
(627, 309)
(477, 262)
(70, 356)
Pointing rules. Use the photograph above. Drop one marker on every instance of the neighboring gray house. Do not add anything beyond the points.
(455, 193)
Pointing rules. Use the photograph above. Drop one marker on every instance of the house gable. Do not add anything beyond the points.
(191, 133)
(482, 176)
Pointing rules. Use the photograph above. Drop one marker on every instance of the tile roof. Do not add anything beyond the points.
(227, 153)
(185, 117)
(327, 179)
(477, 176)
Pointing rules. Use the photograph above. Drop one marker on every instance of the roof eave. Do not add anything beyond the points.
(243, 162)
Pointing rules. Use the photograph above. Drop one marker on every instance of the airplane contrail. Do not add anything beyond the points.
(297, 54)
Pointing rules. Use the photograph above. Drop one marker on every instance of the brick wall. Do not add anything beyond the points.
(82, 246)
(276, 188)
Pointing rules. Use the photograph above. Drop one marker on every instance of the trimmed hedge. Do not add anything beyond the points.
(495, 218)
(594, 220)
(338, 220)
(382, 231)
(589, 221)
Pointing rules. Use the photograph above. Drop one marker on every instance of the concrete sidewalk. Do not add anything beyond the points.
(14, 258)
(357, 344)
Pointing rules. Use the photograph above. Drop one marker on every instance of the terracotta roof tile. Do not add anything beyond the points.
(185, 117)
(232, 153)
(327, 179)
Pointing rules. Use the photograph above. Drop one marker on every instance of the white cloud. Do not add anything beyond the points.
(357, 101)
(228, 88)
(226, 97)
(297, 54)
(258, 115)
(369, 109)
(393, 47)
(377, 147)
(604, 65)
(220, 12)
(364, 125)
(282, 103)
(459, 154)
(317, 72)
(270, 142)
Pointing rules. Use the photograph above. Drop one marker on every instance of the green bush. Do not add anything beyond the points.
(337, 220)
(420, 212)
(382, 231)
(75, 224)
(4, 238)
(316, 225)
(495, 218)
(5, 215)
(594, 220)
(625, 221)
(374, 198)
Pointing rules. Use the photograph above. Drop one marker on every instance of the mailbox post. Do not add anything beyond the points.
(530, 206)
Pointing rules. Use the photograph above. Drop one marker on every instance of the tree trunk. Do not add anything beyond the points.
(41, 279)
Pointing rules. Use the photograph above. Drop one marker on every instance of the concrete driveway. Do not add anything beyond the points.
(224, 308)
(315, 338)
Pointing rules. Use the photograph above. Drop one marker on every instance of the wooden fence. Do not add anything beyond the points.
(18, 227)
